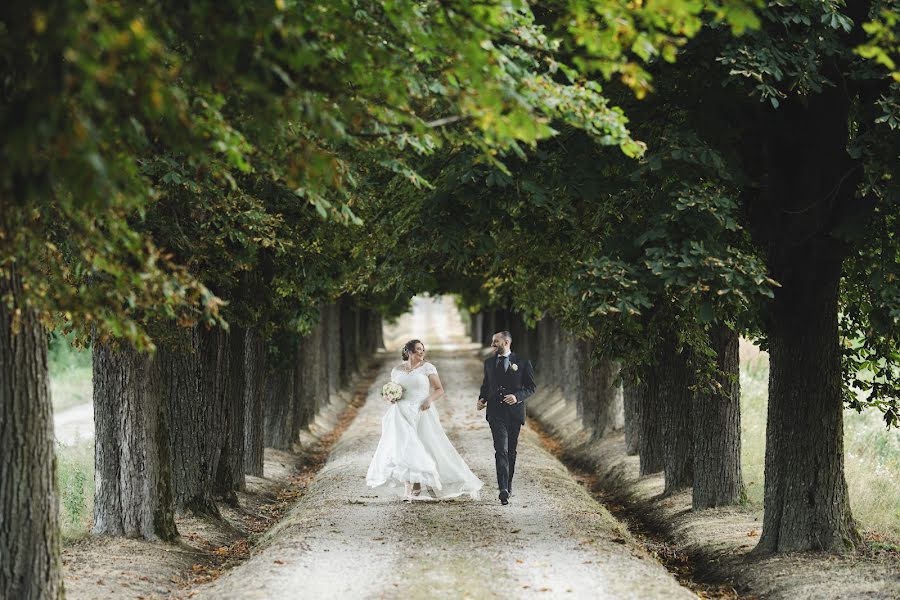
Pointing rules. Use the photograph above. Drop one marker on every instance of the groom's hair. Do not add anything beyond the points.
(505, 335)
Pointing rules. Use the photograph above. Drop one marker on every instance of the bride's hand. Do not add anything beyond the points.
(425, 406)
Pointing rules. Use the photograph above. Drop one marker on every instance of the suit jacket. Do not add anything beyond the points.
(518, 380)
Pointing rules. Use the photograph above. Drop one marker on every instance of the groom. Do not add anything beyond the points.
(508, 381)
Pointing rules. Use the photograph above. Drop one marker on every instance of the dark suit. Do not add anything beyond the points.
(506, 419)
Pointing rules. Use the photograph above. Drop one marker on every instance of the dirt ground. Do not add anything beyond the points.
(115, 568)
(312, 529)
(345, 540)
(716, 541)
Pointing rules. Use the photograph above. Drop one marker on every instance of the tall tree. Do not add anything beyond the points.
(29, 503)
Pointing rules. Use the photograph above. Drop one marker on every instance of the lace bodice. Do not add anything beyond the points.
(416, 385)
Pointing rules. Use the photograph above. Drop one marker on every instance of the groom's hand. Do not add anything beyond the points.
(481, 403)
(510, 399)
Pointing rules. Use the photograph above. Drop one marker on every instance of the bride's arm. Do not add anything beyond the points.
(437, 390)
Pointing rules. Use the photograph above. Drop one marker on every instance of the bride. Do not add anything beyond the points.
(414, 450)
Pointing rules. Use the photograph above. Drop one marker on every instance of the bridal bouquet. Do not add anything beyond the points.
(392, 391)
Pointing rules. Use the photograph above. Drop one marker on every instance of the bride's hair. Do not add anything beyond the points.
(410, 346)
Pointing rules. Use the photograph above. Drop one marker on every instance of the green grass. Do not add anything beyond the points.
(70, 385)
(70, 373)
(871, 452)
(75, 481)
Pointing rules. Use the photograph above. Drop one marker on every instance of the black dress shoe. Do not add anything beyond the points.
(504, 497)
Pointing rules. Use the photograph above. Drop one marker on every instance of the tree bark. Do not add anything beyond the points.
(349, 340)
(378, 327)
(488, 327)
(310, 369)
(806, 502)
(650, 424)
(807, 192)
(332, 336)
(675, 380)
(29, 505)
(194, 450)
(600, 393)
(230, 471)
(476, 326)
(278, 408)
(717, 429)
(633, 401)
(132, 460)
(255, 364)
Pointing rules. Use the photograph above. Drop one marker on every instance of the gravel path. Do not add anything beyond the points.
(344, 540)
(74, 424)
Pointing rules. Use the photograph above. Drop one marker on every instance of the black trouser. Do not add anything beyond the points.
(506, 437)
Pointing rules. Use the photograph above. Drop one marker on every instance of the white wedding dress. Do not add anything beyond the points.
(413, 446)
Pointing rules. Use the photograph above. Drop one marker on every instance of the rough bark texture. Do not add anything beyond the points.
(230, 470)
(255, 355)
(806, 501)
(193, 420)
(378, 332)
(349, 341)
(633, 399)
(717, 429)
(29, 505)
(650, 425)
(332, 336)
(306, 385)
(602, 401)
(806, 203)
(677, 398)
(519, 333)
(132, 461)
(278, 408)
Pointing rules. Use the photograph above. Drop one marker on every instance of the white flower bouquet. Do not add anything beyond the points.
(392, 391)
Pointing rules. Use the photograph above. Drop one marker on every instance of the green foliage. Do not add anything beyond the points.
(151, 150)
(883, 45)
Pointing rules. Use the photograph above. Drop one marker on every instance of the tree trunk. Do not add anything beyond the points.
(132, 460)
(534, 345)
(633, 399)
(230, 472)
(717, 429)
(806, 501)
(488, 328)
(278, 408)
(255, 363)
(378, 327)
(300, 395)
(675, 380)
(310, 367)
(29, 505)
(193, 418)
(477, 324)
(601, 397)
(332, 336)
(805, 207)
(650, 424)
(349, 341)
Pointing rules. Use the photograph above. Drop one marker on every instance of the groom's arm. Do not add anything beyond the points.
(528, 385)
